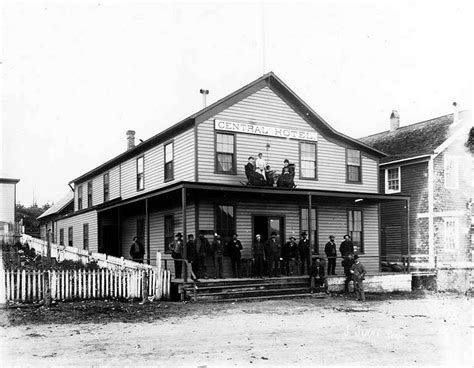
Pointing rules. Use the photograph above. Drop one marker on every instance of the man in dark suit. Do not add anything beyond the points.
(234, 247)
(253, 177)
(347, 253)
(304, 249)
(331, 254)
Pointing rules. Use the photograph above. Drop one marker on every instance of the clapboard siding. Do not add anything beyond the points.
(7, 202)
(266, 107)
(154, 166)
(77, 223)
(333, 221)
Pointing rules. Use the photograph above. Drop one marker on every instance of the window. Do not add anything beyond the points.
(89, 194)
(106, 187)
(314, 229)
(169, 231)
(169, 161)
(354, 229)
(451, 172)
(308, 161)
(85, 236)
(225, 222)
(79, 197)
(451, 234)
(69, 236)
(392, 180)
(353, 162)
(225, 153)
(61, 236)
(140, 173)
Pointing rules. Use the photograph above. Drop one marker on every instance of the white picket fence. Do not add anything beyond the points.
(29, 285)
(61, 253)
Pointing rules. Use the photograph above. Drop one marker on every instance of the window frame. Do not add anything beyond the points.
(85, 236)
(61, 236)
(166, 179)
(456, 238)
(361, 247)
(391, 191)
(301, 176)
(140, 175)
(315, 234)
(225, 238)
(89, 194)
(453, 182)
(79, 197)
(170, 237)
(106, 185)
(348, 181)
(234, 154)
(70, 236)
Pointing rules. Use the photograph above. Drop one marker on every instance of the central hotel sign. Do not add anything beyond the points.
(268, 130)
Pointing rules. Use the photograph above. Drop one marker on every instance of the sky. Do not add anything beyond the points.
(77, 75)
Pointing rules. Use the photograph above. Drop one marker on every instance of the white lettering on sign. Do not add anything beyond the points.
(253, 128)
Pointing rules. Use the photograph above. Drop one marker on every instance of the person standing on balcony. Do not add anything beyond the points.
(137, 250)
(176, 248)
(331, 253)
(261, 165)
(218, 249)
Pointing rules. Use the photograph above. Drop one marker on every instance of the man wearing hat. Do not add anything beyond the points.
(218, 249)
(289, 253)
(176, 248)
(273, 254)
(358, 272)
(202, 247)
(331, 253)
(304, 248)
(258, 255)
(235, 246)
(347, 253)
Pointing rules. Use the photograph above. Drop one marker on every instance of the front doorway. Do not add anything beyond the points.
(265, 225)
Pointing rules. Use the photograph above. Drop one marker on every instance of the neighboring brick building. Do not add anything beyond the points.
(430, 161)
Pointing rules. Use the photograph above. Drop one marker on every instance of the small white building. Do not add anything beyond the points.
(7, 204)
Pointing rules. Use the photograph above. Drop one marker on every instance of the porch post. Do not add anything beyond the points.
(119, 232)
(147, 224)
(408, 233)
(310, 230)
(183, 209)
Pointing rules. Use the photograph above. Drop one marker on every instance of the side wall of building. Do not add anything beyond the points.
(77, 223)
(7, 202)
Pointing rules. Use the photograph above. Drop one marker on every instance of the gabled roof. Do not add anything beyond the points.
(412, 140)
(268, 80)
(58, 206)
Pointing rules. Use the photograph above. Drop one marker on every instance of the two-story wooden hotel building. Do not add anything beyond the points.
(191, 177)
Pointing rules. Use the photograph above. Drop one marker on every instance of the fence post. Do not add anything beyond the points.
(145, 286)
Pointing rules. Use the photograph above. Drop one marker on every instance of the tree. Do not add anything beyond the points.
(29, 216)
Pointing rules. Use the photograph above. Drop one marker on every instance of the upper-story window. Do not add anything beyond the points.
(354, 166)
(392, 180)
(451, 172)
(169, 172)
(308, 160)
(225, 153)
(106, 187)
(89, 193)
(79, 197)
(140, 173)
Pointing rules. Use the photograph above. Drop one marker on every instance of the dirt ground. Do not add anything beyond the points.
(394, 330)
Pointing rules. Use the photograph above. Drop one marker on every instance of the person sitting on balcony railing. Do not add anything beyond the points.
(253, 177)
(261, 164)
(287, 177)
(137, 250)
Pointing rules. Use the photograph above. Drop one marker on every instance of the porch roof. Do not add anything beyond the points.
(229, 188)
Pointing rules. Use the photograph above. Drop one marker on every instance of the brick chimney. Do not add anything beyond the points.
(130, 139)
(394, 121)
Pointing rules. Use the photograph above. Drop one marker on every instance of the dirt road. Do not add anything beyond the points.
(435, 330)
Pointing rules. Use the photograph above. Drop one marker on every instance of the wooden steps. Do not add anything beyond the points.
(246, 289)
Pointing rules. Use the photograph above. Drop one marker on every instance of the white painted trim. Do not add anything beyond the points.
(391, 191)
(464, 129)
(431, 209)
(427, 156)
